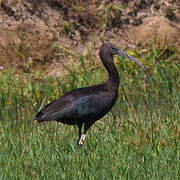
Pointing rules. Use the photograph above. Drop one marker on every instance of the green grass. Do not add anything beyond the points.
(138, 139)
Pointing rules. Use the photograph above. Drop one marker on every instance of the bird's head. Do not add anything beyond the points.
(108, 49)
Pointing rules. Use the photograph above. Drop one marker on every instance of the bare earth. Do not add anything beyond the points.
(48, 33)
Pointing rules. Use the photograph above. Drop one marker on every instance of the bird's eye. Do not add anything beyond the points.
(114, 48)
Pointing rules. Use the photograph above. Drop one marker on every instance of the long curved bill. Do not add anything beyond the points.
(131, 58)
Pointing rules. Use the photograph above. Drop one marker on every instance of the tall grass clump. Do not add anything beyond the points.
(138, 139)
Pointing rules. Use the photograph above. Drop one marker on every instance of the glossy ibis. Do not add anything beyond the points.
(87, 105)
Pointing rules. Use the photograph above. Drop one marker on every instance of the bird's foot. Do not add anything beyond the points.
(80, 145)
(81, 140)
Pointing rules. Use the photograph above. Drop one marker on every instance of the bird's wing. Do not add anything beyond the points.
(67, 99)
(54, 110)
(56, 105)
(91, 105)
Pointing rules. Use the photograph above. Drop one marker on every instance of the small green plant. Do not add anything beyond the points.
(112, 15)
(67, 28)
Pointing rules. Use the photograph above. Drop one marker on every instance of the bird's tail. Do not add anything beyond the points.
(40, 116)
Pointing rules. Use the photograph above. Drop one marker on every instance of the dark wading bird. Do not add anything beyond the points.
(87, 105)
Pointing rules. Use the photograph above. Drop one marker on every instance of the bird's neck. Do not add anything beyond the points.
(112, 83)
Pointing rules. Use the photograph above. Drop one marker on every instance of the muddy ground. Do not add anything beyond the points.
(48, 33)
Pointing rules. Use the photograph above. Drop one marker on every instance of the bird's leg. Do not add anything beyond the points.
(80, 127)
(82, 139)
(87, 125)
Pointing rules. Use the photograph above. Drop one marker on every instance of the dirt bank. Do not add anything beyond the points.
(47, 33)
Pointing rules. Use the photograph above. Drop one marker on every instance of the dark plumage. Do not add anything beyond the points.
(87, 105)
